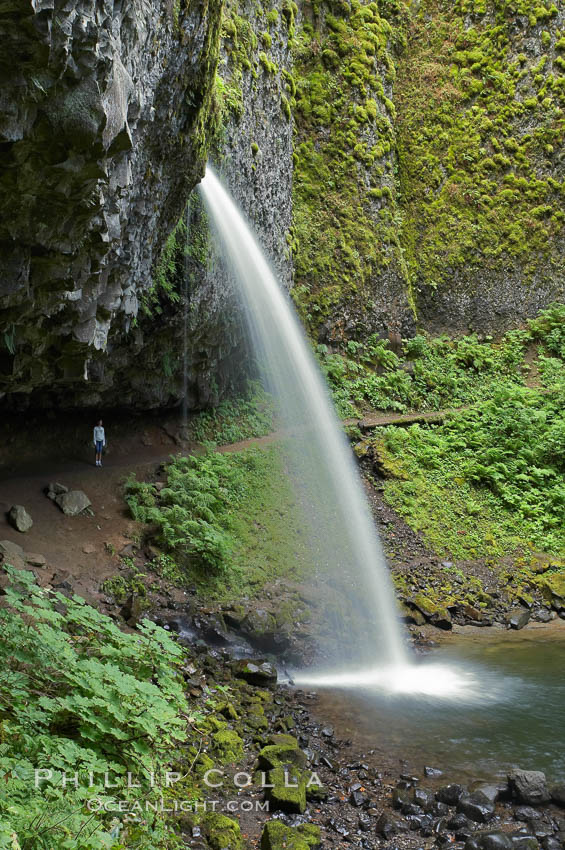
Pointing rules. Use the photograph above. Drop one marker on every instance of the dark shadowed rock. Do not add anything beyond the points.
(387, 825)
(529, 787)
(489, 841)
(476, 806)
(56, 488)
(19, 519)
(449, 794)
(558, 795)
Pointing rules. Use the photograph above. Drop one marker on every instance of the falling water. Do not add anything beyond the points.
(344, 538)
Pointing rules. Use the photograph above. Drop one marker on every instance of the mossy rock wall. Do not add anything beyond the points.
(429, 164)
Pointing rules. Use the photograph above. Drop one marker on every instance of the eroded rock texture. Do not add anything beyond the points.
(104, 106)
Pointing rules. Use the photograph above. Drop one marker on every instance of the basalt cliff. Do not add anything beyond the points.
(402, 164)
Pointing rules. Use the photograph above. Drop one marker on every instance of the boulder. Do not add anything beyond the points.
(558, 795)
(19, 518)
(278, 836)
(524, 842)
(34, 559)
(73, 503)
(449, 794)
(256, 672)
(9, 549)
(288, 791)
(435, 614)
(489, 841)
(387, 826)
(11, 553)
(276, 755)
(56, 488)
(222, 833)
(529, 787)
(476, 806)
(517, 618)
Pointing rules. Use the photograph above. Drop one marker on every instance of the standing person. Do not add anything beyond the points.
(99, 441)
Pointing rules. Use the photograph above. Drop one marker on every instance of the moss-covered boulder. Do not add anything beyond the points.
(552, 586)
(435, 613)
(222, 833)
(276, 755)
(227, 745)
(278, 836)
(288, 791)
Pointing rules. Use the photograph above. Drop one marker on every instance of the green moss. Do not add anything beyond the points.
(289, 789)
(228, 746)
(340, 239)
(452, 133)
(276, 755)
(222, 832)
(277, 836)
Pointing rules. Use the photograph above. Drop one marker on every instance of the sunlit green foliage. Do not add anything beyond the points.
(490, 479)
(79, 695)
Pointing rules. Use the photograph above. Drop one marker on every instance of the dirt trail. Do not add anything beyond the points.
(87, 546)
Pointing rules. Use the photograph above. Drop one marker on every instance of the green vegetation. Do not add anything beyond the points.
(490, 479)
(442, 372)
(227, 521)
(78, 695)
(343, 74)
(481, 126)
(235, 419)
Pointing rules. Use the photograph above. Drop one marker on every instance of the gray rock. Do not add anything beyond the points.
(524, 842)
(9, 549)
(526, 813)
(56, 488)
(476, 806)
(20, 519)
(449, 794)
(109, 101)
(529, 787)
(558, 795)
(256, 672)
(73, 503)
(35, 559)
(518, 618)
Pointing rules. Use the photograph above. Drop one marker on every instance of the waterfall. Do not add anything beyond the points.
(345, 543)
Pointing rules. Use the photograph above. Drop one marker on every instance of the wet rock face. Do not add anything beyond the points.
(103, 109)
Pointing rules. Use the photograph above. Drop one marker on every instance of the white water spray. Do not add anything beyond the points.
(345, 539)
(346, 546)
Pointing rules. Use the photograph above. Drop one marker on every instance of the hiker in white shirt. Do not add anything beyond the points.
(99, 441)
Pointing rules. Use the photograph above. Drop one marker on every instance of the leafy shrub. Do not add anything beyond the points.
(442, 372)
(236, 419)
(505, 457)
(192, 513)
(79, 695)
